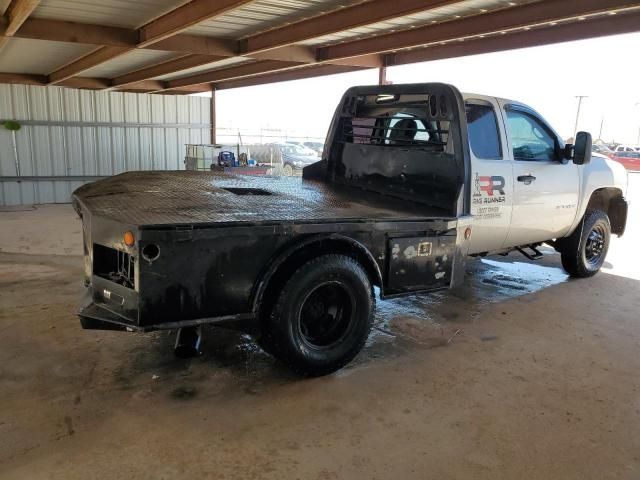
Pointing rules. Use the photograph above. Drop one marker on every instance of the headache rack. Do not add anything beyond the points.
(411, 120)
(384, 130)
(405, 141)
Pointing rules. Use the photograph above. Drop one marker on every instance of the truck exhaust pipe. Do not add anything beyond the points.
(188, 342)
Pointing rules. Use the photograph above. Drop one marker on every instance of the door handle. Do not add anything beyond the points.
(527, 179)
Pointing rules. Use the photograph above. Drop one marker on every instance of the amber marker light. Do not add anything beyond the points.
(467, 233)
(129, 239)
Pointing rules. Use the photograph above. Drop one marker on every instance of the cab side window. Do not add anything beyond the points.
(530, 139)
(482, 126)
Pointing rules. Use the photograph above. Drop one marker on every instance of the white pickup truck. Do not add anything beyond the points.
(527, 190)
(414, 180)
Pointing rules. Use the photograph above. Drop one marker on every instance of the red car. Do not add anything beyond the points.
(628, 156)
(631, 161)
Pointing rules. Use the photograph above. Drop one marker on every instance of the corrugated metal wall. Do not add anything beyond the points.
(81, 134)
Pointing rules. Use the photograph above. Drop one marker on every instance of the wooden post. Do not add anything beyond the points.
(213, 115)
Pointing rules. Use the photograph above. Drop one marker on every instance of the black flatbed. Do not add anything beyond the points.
(388, 201)
(199, 199)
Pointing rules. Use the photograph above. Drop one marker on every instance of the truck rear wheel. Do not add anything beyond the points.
(584, 251)
(323, 315)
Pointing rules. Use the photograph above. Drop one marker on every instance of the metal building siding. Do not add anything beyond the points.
(68, 132)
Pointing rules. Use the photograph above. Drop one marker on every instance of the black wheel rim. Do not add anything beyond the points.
(325, 315)
(595, 246)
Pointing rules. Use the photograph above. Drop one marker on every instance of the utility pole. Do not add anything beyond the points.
(601, 124)
(575, 127)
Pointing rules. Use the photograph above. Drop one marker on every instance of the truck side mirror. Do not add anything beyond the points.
(582, 148)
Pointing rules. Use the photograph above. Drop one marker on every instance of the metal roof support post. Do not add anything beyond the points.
(382, 76)
(213, 115)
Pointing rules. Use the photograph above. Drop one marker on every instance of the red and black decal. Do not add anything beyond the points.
(489, 189)
(492, 184)
(489, 185)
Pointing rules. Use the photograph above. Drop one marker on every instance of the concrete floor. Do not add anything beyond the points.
(522, 373)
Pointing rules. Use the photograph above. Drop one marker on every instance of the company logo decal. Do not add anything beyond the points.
(488, 189)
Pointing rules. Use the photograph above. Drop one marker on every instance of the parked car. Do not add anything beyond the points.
(602, 149)
(630, 160)
(295, 157)
(417, 179)
(303, 147)
(627, 148)
(315, 146)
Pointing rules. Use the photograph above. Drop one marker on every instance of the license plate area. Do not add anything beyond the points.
(116, 298)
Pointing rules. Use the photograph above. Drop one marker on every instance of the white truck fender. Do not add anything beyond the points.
(600, 173)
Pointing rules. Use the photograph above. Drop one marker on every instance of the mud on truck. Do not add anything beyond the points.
(414, 180)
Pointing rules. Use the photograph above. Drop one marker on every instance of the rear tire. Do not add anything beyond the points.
(584, 251)
(322, 317)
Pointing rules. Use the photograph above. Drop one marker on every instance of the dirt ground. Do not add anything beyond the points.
(522, 373)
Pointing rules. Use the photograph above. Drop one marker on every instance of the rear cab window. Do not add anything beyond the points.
(482, 127)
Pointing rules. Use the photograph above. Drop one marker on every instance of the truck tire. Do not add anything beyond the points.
(584, 251)
(323, 316)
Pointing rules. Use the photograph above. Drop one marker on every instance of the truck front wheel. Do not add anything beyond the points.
(584, 251)
(323, 315)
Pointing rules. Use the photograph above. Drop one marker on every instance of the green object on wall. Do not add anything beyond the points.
(12, 125)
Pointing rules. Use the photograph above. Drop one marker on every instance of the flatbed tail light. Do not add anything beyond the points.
(129, 239)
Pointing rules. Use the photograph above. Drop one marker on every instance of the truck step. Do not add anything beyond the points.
(536, 255)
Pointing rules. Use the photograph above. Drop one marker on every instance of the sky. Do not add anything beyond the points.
(606, 70)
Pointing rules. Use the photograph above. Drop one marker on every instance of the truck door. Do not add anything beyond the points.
(546, 188)
(491, 176)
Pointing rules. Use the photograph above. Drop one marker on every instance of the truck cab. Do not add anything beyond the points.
(524, 190)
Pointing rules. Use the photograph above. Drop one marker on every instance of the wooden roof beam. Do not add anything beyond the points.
(14, 16)
(337, 21)
(164, 68)
(232, 72)
(508, 18)
(41, 80)
(196, 44)
(170, 24)
(143, 86)
(90, 34)
(266, 66)
(17, 12)
(23, 78)
(4, 4)
(581, 30)
(284, 76)
(73, 32)
(183, 17)
(96, 57)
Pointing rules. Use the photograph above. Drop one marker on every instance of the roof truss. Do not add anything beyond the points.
(276, 53)
(14, 14)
